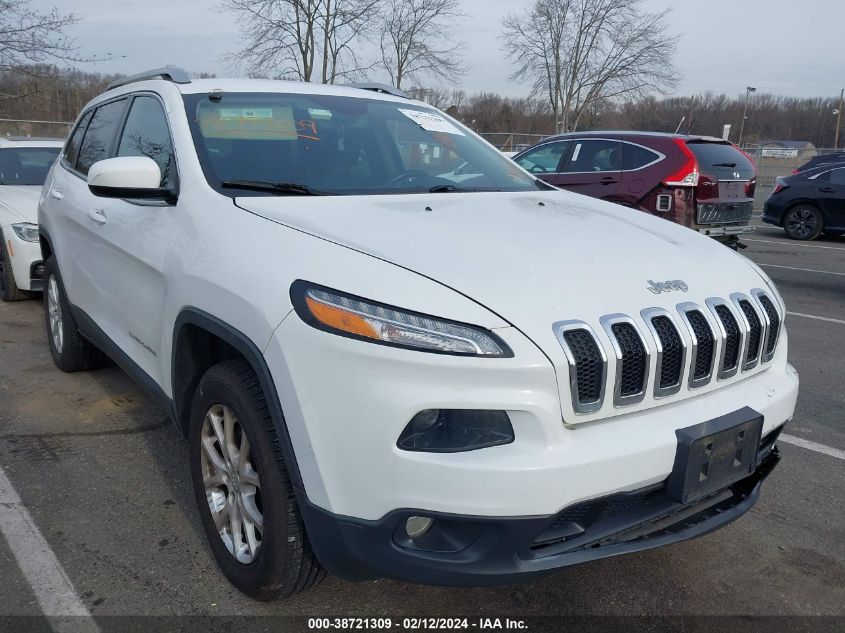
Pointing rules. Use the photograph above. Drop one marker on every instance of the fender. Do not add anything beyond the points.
(246, 348)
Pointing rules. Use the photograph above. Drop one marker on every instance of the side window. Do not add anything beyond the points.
(544, 159)
(837, 176)
(97, 143)
(71, 152)
(146, 134)
(636, 157)
(594, 155)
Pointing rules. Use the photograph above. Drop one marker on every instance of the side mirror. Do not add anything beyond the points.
(127, 177)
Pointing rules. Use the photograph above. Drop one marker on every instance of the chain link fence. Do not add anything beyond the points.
(512, 141)
(30, 128)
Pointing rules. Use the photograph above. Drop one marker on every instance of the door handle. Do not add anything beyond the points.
(827, 190)
(98, 216)
(56, 194)
(608, 180)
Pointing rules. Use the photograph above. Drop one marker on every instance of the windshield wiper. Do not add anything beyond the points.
(272, 187)
(446, 189)
(724, 165)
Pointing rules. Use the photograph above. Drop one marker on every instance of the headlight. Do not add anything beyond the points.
(26, 231)
(354, 317)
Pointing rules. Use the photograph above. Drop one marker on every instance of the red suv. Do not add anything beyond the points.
(702, 182)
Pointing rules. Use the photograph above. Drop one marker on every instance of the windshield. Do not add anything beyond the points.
(285, 144)
(26, 165)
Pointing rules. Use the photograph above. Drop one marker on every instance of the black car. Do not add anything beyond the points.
(820, 161)
(809, 203)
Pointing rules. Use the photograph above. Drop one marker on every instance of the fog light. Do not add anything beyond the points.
(415, 527)
(455, 430)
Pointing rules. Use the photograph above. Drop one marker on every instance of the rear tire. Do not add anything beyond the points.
(243, 489)
(803, 222)
(9, 290)
(70, 351)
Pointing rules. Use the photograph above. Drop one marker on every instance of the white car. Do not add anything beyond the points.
(385, 373)
(24, 164)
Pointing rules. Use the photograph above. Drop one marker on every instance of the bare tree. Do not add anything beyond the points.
(582, 52)
(29, 36)
(441, 98)
(410, 32)
(300, 38)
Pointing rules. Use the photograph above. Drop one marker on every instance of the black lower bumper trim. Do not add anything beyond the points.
(476, 551)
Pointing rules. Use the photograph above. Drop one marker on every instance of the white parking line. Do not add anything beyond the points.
(812, 446)
(805, 270)
(52, 588)
(831, 248)
(817, 318)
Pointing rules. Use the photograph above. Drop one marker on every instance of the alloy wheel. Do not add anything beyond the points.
(54, 309)
(802, 222)
(232, 485)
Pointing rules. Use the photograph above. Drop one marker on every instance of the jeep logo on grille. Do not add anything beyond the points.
(666, 286)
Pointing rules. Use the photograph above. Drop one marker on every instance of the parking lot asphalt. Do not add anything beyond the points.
(105, 480)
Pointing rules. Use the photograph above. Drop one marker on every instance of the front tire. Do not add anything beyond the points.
(803, 222)
(243, 489)
(9, 290)
(70, 351)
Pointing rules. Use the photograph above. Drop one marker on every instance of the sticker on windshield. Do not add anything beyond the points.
(256, 124)
(320, 113)
(246, 113)
(431, 122)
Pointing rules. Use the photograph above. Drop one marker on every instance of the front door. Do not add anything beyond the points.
(132, 239)
(830, 192)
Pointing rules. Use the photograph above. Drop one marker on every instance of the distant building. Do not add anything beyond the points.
(784, 149)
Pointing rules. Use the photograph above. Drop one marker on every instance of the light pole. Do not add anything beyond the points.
(748, 91)
(838, 113)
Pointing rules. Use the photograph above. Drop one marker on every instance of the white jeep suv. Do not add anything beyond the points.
(386, 372)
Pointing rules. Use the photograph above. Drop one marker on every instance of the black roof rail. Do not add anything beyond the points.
(170, 73)
(382, 88)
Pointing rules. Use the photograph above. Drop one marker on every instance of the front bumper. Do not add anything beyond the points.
(25, 256)
(346, 402)
(476, 551)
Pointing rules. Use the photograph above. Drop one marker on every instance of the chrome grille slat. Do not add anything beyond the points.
(691, 344)
(773, 323)
(579, 341)
(671, 350)
(703, 349)
(632, 359)
(752, 323)
(731, 335)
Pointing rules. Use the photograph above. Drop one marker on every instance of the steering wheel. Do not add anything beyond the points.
(410, 175)
(536, 169)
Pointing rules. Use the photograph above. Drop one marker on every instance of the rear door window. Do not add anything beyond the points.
(544, 159)
(72, 148)
(722, 160)
(99, 137)
(594, 155)
(837, 176)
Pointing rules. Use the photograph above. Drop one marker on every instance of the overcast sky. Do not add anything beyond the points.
(776, 45)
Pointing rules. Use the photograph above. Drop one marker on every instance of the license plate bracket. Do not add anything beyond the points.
(714, 454)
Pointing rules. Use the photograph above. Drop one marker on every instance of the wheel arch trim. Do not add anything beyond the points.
(242, 344)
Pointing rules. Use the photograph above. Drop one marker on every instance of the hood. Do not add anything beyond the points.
(533, 259)
(22, 200)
